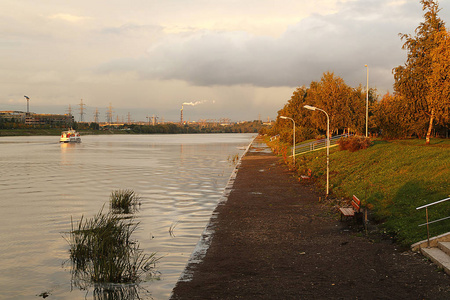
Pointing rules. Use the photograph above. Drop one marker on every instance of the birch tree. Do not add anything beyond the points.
(412, 83)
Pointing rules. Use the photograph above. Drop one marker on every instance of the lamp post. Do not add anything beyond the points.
(367, 100)
(293, 145)
(328, 142)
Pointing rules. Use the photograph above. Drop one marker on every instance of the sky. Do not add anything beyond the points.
(234, 59)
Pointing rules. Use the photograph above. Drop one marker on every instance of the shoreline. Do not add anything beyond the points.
(205, 240)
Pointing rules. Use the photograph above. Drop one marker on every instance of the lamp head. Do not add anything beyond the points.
(310, 107)
(283, 117)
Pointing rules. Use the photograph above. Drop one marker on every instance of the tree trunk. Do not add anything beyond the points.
(430, 127)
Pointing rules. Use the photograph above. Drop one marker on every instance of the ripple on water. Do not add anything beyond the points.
(45, 185)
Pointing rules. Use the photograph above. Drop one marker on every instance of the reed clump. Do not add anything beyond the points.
(102, 250)
(124, 201)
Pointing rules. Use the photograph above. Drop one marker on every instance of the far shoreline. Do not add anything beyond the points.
(57, 132)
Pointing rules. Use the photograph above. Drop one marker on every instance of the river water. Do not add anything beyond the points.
(44, 184)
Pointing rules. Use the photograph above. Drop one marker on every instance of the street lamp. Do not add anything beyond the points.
(328, 142)
(293, 145)
(367, 100)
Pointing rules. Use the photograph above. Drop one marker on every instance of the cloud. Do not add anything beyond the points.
(68, 17)
(152, 55)
(361, 32)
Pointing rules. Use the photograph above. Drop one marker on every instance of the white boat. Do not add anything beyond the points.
(70, 136)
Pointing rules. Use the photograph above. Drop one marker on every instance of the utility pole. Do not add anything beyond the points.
(96, 115)
(82, 105)
(109, 114)
(69, 112)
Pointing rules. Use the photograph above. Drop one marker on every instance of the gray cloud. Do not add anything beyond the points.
(362, 32)
(152, 55)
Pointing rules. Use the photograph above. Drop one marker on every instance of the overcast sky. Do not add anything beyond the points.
(237, 59)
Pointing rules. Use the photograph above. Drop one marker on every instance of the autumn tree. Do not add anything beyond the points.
(438, 97)
(390, 119)
(412, 81)
(293, 109)
(344, 104)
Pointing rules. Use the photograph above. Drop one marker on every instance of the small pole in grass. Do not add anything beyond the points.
(365, 219)
(428, 228)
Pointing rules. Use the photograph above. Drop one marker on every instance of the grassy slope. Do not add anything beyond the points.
(392, 179)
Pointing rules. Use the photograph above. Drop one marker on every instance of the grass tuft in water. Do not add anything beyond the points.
(233, 159)
(102, 251)
(124, 201)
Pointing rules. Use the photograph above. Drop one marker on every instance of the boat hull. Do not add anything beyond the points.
(70, 136)
(70, 140)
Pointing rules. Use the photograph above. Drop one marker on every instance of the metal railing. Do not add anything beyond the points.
(435, 221)
(318, 144)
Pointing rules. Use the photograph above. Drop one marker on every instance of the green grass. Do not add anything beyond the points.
(391, 178)
(124, 201)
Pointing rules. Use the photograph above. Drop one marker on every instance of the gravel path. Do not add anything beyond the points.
(273, 239)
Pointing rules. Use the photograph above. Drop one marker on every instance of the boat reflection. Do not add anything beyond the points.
(66, 149)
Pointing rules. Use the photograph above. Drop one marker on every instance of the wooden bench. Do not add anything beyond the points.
(306, 177)
(352, 210)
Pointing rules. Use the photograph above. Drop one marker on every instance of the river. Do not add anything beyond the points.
(44, 184)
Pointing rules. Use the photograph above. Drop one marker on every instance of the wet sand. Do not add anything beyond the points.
(273, 239)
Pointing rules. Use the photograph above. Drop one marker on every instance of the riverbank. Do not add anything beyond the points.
(391, 178)
(273, 239)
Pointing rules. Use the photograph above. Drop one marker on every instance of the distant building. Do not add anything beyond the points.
(36, 119)
(12, 116)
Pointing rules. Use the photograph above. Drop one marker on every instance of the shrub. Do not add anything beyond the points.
(354, 143)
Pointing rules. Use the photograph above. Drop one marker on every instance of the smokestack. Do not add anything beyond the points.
(181, 121)
(28, 105)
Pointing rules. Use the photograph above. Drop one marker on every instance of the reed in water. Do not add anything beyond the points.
(103, 251)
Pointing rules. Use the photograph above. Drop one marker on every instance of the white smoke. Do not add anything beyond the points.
(193, 103)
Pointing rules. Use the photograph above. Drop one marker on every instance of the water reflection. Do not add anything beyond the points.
(66, 151)
(111, 291)
(120, 292)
